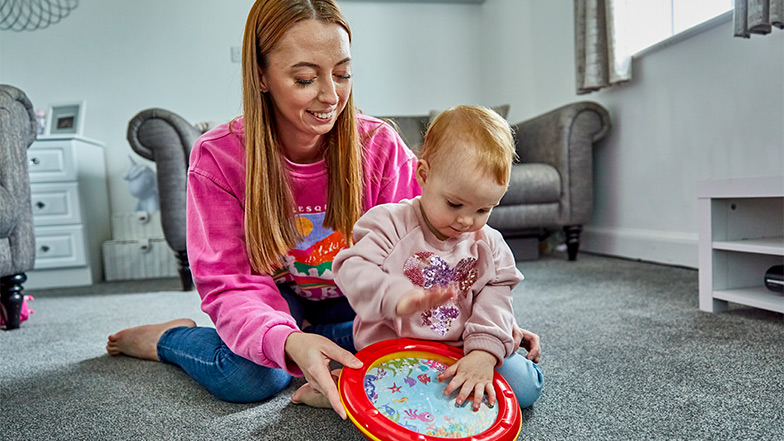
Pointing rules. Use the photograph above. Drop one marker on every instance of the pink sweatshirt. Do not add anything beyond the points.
(249, 313)
(394, 252)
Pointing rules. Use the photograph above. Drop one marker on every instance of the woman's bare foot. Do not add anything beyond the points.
(142, 341)
(313, 398)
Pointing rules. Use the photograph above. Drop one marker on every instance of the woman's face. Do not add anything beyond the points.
(308, 77)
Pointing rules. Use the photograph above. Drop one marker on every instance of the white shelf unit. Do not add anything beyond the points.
(70, 211)
(741, 235)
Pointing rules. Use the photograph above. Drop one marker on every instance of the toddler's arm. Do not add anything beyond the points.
(372, 292)
(491, 325)
(418, 300)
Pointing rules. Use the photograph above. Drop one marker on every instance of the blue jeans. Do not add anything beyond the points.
(524, 377)
(202, 354)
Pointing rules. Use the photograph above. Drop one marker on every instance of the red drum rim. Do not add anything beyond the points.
(377, 427)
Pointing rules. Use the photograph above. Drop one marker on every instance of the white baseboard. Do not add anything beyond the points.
(668, 247)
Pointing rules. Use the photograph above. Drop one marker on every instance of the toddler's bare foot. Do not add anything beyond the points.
(313, 398)
(142, 341)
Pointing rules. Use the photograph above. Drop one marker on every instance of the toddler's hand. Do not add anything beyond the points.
(472, 374)
(418, 300)
(529, 341)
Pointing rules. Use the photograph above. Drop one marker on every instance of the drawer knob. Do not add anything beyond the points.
(34, 161)
(40, 205)
(44, 248)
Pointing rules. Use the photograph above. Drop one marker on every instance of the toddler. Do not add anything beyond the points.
(430, 268)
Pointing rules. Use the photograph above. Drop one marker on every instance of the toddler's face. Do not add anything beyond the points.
(456, 197)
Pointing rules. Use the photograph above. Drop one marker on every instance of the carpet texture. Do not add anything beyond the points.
(627, 355)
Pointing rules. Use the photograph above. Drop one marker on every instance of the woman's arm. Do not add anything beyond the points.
(249, 313)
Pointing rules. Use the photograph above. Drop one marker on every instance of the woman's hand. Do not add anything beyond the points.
(312, 354)
(529, 341)
(418, 300)
(472, 374)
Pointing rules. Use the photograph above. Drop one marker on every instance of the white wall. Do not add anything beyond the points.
(711, 106)
(123, 57)
(412, 58)
(708, 107)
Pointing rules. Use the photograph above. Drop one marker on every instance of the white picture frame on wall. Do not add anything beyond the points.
(65, 119)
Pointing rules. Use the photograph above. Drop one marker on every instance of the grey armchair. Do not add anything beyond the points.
(18, 129)
(166, 138)
(552, 185)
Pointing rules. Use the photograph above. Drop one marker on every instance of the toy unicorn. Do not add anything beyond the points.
(142, 185)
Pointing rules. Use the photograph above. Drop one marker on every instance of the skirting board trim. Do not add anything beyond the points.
(58, 278)
(671, 248)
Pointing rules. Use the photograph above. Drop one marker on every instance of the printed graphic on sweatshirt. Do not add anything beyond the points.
(310, 263)
(427, 270)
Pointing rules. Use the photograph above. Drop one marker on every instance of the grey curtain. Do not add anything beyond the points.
(758, 16)
(600, 59)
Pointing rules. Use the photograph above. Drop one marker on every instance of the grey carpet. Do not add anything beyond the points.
(627, 355)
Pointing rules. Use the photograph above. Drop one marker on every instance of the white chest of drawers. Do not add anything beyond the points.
(70, 211)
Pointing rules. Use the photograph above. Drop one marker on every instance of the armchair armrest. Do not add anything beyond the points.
(10, 97)
(563, 138)
(18, 130)
(166, 138)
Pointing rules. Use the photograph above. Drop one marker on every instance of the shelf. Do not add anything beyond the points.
(758, 297)
(741, 188)
(741, 230)
(769, 245)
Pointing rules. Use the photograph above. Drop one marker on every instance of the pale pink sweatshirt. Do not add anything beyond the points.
(249, 313)
(394, 252)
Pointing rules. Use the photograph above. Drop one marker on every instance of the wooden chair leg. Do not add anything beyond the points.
(11, 297)
(573, 240)
(184, 268)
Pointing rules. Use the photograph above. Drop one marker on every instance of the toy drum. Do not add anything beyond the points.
(396, 396)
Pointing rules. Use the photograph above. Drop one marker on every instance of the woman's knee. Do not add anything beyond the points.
(242, 381)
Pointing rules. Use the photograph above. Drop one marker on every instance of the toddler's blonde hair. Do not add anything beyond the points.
(480, 134)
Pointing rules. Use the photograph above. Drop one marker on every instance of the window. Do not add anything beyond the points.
(643, 23)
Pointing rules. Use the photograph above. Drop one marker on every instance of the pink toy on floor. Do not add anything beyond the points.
(26, 311)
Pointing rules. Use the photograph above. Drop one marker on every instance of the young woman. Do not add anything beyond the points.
(272, 197)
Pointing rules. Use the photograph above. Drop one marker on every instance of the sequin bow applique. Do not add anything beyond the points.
(427, 270)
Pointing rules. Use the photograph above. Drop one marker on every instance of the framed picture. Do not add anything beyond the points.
(65, 119)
